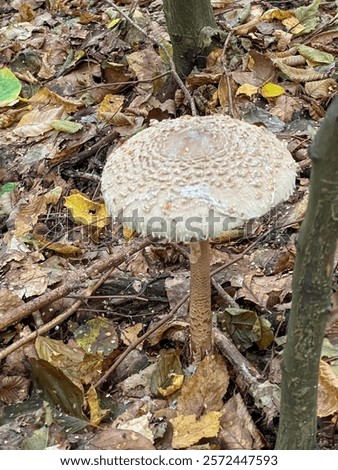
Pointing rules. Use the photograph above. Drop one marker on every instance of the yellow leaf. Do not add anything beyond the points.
(247, 90)
(271, 90)
(84, 211)
(63, 248)
(293, 25)
(96, 412)
(176, 384)
(276, 14)
(110, 105)
(62, 125)
(113, 23)
(189, 430)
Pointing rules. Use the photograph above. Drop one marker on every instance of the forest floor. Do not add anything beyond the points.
(93, 354)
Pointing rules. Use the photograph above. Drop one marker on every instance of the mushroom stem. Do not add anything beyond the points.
(200, 300)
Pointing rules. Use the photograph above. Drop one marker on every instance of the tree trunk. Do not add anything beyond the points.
(185, 20)
(311, 294)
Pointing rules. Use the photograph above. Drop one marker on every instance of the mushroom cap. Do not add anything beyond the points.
(193, 177)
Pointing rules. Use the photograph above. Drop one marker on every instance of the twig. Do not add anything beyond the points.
(227, 73)
(177, 78)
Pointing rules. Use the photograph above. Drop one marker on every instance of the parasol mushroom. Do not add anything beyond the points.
(192, 178)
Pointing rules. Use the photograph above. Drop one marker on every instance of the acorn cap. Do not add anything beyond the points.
(193, 177)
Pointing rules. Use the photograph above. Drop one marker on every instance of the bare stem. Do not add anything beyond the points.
(200, 300)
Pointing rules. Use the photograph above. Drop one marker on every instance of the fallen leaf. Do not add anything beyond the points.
(84, 211)
(238, 431)
(327, 390)
(189, 430)
(119, 439)
(167, 377)
(205, 389)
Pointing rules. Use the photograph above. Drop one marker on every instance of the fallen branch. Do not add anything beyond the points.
(265, 394)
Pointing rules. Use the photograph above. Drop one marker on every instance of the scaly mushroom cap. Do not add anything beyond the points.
(194, 177)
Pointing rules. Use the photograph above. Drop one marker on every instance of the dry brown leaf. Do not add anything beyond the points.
(321, 88)
(119, 439)
(130, 334)
(189, 430)
(316, 111)
(293, 60)
(138, 385)
(266, 291)
(262, 67)
(204, 391)
(326, 41)
(203, 78)
(283, 39)
(285, 106)
(109, 106)
(246, 28)
(138, 266)
(177, 286)
(14, 389)
(168, 330)
(146, 64)
(28, 214)
(327, 391)
(8, 300)
(238, 431)
(298, 75)
(28, 280)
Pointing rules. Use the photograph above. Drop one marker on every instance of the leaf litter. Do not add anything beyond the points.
(78, 80)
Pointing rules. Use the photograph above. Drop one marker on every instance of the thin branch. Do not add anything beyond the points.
(227, 73)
